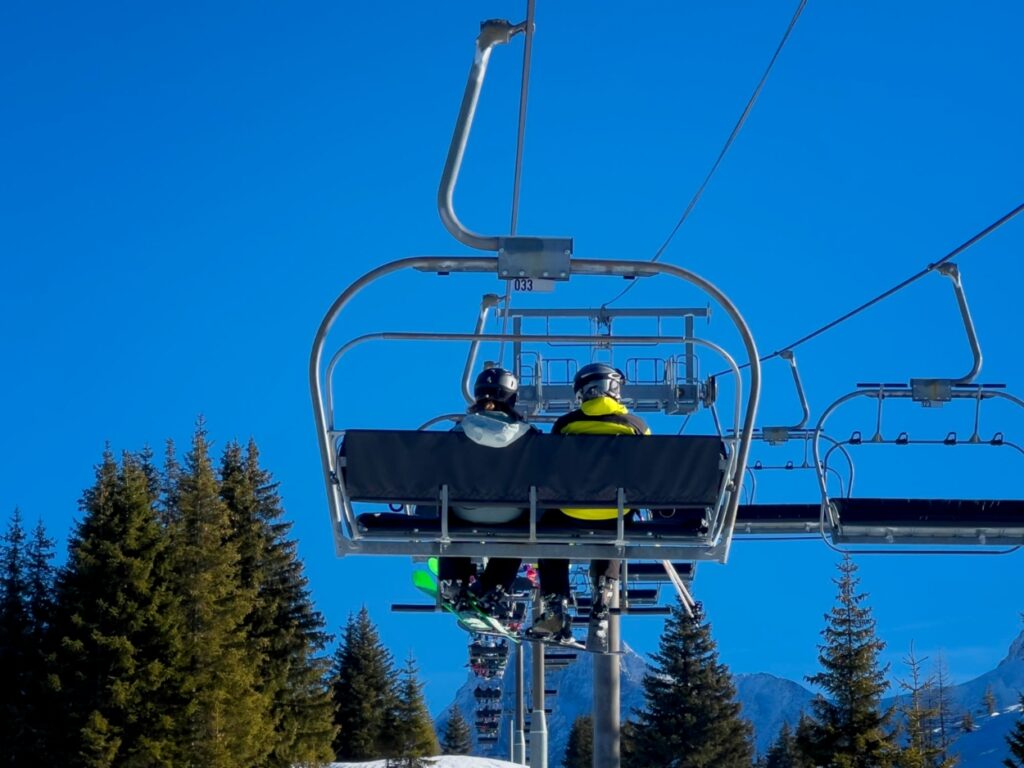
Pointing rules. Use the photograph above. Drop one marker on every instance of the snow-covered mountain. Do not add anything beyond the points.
(767, 702)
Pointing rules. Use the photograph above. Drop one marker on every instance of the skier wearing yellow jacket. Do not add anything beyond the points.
(598, 387)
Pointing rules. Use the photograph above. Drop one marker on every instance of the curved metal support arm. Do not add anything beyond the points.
(487, 303)
(493, 32)
(787, 354)
(951, 271)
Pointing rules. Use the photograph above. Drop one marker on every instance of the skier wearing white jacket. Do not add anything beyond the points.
(491, 421)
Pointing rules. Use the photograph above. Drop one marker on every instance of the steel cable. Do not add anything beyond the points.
(725, 147)
(898, 287)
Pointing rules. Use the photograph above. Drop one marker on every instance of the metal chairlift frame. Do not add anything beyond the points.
(540, 258)
(348, 538)
(929, 392)
(676, 390)
(781, 435)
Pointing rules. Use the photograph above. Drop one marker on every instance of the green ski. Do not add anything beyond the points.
(472, 620)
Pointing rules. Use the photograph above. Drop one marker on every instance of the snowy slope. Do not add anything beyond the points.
(986, 747)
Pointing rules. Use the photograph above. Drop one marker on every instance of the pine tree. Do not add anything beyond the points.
(1016, 741)
(627, 740)
(16, 727)
(990, 701)
(285, 631)
(944, 723)
(114, 628)
(412, 733)
(457, 740)
(848, 728)
(227, 719)
(40, 584)
(690, 718)
(363, 690)
(579, 749)
(784, 752)
(967, 722)
(919, 715)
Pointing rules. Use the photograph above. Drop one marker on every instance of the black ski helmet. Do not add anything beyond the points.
(497, 385)
(598, 380)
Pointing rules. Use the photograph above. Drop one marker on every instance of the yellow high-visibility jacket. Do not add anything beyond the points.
(599, 416)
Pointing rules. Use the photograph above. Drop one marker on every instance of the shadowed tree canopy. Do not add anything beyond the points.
(579, 749)
(364, 691)
(458, 739)
(691, 718)
(1015, 739)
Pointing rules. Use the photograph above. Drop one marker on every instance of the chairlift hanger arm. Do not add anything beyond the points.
(805, 408)
(487, 303)
(951, 271)
(493, 32)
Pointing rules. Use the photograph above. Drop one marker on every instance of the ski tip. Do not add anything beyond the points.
(424, 582)
(432, 565)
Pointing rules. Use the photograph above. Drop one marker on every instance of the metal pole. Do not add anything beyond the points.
(519, 724)
(538, 719)
(606, 696)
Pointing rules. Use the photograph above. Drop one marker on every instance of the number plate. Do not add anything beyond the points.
(532, 285)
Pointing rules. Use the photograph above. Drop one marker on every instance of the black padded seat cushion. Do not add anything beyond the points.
(409, 467)
(930, 512)
(688, 522)
(765, 513)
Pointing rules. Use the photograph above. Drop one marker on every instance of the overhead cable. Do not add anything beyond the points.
(518, 172)
(725, 147)
(898, 287)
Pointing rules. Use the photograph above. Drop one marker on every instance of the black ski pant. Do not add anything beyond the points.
(554, 574)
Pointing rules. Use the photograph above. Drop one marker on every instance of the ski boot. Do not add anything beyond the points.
(554, 622)
(455, 596)
(496, 603)
(600, 610)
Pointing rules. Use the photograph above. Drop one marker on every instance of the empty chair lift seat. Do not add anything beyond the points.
(677, 476)
(937, 521)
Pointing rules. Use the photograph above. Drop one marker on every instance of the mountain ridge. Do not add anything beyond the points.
(767, 702)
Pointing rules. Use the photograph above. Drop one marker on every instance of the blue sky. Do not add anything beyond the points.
(185, 191)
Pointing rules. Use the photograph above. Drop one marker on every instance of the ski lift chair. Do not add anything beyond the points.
(980, 521)
(691, 474)
(403, 468)
(976, 522)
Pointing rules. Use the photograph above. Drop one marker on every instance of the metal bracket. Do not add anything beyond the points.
(536, 257)
(775, 435)
(931, 392)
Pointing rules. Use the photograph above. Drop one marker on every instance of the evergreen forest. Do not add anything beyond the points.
(180, 632)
